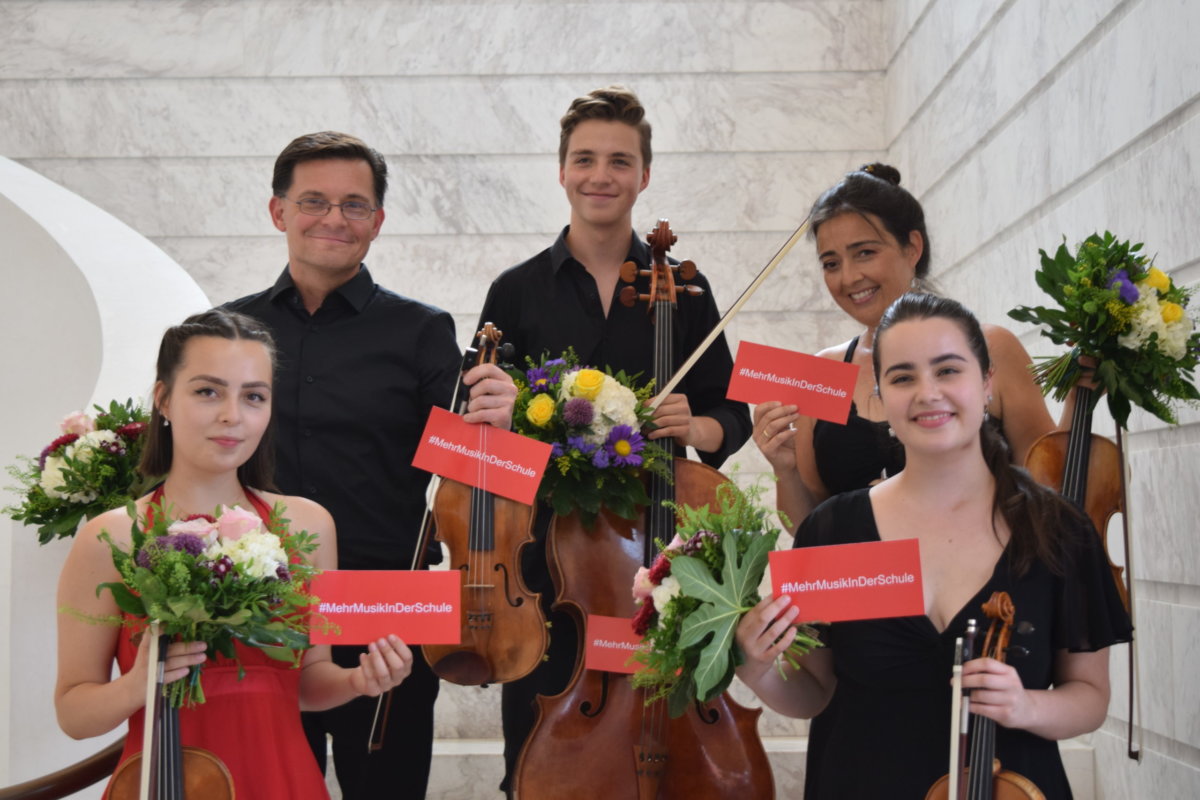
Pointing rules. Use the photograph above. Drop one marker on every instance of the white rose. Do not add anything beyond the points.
(257, 554)
(664, 592)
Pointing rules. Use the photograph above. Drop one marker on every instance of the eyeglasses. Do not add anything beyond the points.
(319, 207)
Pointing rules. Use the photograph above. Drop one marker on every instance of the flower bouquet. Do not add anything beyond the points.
(216, 579)
(89, 469)
(593, 421)
(695, 594)
(1119, 309)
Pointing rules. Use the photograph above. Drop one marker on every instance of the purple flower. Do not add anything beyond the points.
(623, 446)
(540, 380)
(556, 450)
(1129, 292)
(578, 412)
(142, 559)
(555, 362)
(185, 542)
(578, 443)
(600, 458)
(281, 572)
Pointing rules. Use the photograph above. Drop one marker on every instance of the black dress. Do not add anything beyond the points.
(893, 674)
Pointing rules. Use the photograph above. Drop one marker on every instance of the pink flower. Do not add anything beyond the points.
(233, 522)
(78, 423)
(196, 525)
(642, 585)
(676, 543)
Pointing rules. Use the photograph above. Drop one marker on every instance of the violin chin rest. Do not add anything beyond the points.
(464, 668)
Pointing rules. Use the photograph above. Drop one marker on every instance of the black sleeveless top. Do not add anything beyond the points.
(854, 455)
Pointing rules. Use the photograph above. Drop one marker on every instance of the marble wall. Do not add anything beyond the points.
(1015, 121)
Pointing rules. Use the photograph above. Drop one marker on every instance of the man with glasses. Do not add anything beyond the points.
(359, 369)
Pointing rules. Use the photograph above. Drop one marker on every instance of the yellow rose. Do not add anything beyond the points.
(1159, 280)
(588, 383)
(1171, 312)
(540, 410)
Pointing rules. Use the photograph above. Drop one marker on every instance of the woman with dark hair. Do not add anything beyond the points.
(873, 246)
(983, 526)
(208, 436)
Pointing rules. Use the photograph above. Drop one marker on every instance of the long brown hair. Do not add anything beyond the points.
(259, 469)
(1038, 518)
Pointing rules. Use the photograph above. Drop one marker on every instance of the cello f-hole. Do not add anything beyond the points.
(585, 707)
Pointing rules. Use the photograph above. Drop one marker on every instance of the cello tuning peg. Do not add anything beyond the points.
(507, 352)
(1017, 651)
(1025, 627)
(687, 270)
(694, 291)
(629, 271)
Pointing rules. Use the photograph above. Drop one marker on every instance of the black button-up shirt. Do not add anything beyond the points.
(550, 303)
(353, 388)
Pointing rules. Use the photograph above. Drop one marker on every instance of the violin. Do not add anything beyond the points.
(979, 776)
(633, 750)
(173, 772)
(504, 632)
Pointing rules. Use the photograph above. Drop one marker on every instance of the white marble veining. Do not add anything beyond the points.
(78, 38)
(1011, 56)
(223, 117)
(1021, 162)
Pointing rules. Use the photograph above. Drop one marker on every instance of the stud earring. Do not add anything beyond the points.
(166, 422)
(891, 432)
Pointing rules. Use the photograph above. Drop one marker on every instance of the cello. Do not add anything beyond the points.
(173, 771)
(981, 776)
(599, 738)
(503, 632)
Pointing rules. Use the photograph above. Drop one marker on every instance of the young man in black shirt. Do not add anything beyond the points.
(359, 369)
(565, 297)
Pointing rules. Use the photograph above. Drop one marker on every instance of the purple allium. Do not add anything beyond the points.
(188, 543)
(1120, 280)
(600, 458)
(623, 446)
(578, 412)
(540, 380)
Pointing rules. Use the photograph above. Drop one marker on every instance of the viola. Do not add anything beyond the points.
(978, 775)
(504, 632)
(599, 738)
(173, 772)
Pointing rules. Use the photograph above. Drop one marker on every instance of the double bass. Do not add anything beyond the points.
(599, 738)
(979, 775)
(504, 631)
(173, 771)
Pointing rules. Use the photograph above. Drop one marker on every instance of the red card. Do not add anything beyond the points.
(482, 456)
(610, 644)
(818, 387)
(419, 606)
(841, 582)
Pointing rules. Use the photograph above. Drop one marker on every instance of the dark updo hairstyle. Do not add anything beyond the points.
(875, 189)
(259, 469)
(1038, 518)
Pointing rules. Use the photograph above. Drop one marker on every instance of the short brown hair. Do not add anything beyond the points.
(327, 144)
(259, 469)
(612, 104)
